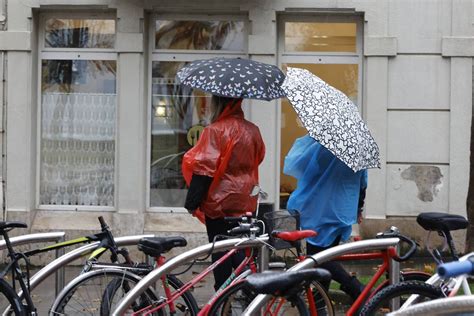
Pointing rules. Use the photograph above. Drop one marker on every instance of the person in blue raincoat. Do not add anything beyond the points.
(329, 198)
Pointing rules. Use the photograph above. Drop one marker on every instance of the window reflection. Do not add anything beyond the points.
(200, 35)
(320, 37)
(79, 33)
(178, 117)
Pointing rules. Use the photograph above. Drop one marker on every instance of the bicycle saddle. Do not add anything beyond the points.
(5, 225)
(441, 221)
(281, 282)
(155, 246)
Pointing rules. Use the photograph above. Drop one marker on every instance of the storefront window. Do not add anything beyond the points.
(179, 114)
(78, 33)
(327, 50)
(78, 121)
(200, 35)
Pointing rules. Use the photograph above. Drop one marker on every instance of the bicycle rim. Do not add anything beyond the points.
(99, 292)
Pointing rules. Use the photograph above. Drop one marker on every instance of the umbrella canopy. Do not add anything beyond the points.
(332, 119)
(234, 78)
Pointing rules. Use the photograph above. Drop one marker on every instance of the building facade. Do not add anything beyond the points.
(93, 122)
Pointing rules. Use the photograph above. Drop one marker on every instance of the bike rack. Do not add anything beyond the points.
(37, 238)
(185, 257)
(60, 262)
(321, 257)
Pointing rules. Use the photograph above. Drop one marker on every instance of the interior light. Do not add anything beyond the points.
(160, 111)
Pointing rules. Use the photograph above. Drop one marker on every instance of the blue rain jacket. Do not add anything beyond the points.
(327, 192)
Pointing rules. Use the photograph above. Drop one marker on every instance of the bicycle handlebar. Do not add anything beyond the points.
(241, 230)
(455, 268)
(411, 242)
(410, 252)
(238, 219)
(103, 225)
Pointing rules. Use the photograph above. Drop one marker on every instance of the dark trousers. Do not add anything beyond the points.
(349, 284)
(222, 272)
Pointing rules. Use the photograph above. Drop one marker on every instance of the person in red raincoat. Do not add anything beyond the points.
(221, 170)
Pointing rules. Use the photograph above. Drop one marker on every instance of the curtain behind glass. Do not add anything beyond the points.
(78, 115)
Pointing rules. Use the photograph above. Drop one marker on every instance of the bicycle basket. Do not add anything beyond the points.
(281, 221)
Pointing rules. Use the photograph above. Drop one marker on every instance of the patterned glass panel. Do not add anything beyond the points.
(320, 37)
(200, 35)
(78, 132)
(79, 33)
(178, 116)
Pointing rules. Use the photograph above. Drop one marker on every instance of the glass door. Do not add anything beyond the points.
(330, 49)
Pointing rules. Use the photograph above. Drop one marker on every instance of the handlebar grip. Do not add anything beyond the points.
(102, 222)
(455, 268)
(239, 231)
(409, 252)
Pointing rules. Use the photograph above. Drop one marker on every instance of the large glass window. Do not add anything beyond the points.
(78, 115)
(331, 49)
(179, 114)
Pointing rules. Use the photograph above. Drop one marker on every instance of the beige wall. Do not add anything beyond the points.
(417, 87)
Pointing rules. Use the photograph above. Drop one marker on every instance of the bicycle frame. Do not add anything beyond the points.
(171, 297)
(325, 256)
(452, 286)
(386, 256)
(183, 258)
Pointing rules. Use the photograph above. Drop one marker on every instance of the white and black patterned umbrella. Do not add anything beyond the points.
(234, 78)
(332, 119)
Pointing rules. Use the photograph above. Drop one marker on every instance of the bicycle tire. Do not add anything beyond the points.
(379, 303)
(84, 294)
(230, 302)
(189, 307)
(12, 299)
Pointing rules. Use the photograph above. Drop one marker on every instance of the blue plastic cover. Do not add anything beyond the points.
(327, 192)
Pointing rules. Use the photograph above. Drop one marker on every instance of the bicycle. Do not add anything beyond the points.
(8, 291)
(450, 305)
(410, 293)
(346, 252)
(151, 303)
(284, 287)
(99, 289)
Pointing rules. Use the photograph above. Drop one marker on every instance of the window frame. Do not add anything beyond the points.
(284, 57)
(177, 55)
(61, 53)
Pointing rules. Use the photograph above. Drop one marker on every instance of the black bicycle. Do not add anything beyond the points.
(13, 304)
(7, 291)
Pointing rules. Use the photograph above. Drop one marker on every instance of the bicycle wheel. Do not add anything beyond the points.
(10, 304)
(236, 298)
(85, 294)
(380, 303)
(185, 305)
(322, 300)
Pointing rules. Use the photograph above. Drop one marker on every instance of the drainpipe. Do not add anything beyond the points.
(3, 83)
(3, 105)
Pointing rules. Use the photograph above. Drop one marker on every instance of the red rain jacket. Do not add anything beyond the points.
(230, 151)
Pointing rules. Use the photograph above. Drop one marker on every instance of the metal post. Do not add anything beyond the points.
(394, 274)
(263, 258)
(60, 274)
